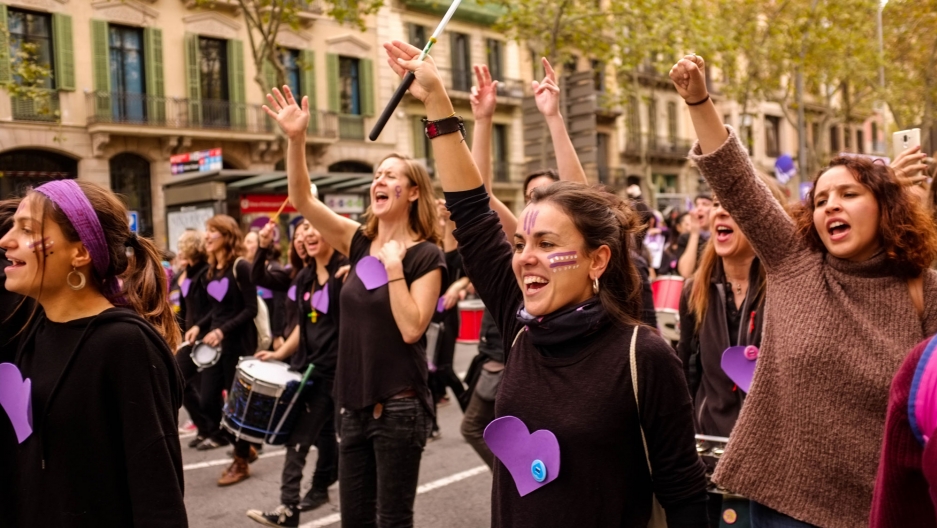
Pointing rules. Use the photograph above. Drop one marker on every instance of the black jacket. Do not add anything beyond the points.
(105, 446)
(717, 401)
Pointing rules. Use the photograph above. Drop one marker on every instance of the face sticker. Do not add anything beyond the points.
(563, 261)
(530, 221)
(397, 191)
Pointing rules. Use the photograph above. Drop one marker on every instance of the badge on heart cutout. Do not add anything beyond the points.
(184, 287)
(533, 459)
(738, 363)
(320, 299)
(218, 288)
(291, 293)
(371, 272)
(16, 400)
(441, 305)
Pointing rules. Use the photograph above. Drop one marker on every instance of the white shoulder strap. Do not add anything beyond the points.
(634, 383)
(518, 336)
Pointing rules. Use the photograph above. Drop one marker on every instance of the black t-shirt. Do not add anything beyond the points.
(14, 313)
(318, 339)
(195, 303)
(375, 363)
(233, 304)
(105, 448)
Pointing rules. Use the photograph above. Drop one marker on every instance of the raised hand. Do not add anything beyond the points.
(291, 117)
(546, 92)
(342, 273)
(689, 78)
(484, 95)
(910, 164)
(265, 235)
(403, 58)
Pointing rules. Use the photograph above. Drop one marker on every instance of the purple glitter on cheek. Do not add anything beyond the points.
(568, 260)
(397, 191)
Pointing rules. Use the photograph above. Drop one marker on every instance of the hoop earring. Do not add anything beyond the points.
(595, 285)
(81, 279)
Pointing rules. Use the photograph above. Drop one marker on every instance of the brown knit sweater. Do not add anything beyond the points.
(807, 442)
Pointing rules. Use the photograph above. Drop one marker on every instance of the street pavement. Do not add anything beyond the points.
(455, 485)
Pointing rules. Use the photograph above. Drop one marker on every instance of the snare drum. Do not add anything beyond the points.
(667, 290)
(258, 401)
(205, 355)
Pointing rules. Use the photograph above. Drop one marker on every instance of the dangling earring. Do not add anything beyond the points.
(595, 285)
(81, 279)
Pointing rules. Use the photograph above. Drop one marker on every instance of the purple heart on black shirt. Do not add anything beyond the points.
(184, 287)
(320, 299)
(532, 459)
(218, 288)
(291, 293)
(739, 366)
(16, 400)
(371, 272)
(441, 304)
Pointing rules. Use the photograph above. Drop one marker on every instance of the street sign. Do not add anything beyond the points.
(201, 161)
(134, 218)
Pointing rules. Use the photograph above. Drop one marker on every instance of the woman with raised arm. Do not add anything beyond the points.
(97, 430)
(387, 302)
(806, 445)
(567, 301)
(229, 324)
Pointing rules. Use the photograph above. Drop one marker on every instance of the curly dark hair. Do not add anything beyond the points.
(907, 232)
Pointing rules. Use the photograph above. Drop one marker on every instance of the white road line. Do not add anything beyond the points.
(429, 486)
(226, 461)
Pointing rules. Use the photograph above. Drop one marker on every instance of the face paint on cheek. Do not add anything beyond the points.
(563, 261)
(43, 244)
(397, 191)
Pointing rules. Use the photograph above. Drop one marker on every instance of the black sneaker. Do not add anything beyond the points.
(283, 515)
(196, 441)
(314, 498)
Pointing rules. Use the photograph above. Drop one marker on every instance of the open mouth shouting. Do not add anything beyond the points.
(14, 264)
(837, 229)
(381, 197)
(723, 233)
(533, 284)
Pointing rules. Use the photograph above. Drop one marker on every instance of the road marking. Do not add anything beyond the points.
(425, 488)
(226, 461)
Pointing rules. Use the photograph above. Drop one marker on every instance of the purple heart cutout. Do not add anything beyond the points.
(320, 299)
(738, 367)
(184, 287)
(218, 288)
(518, 449)
(371, 272)
(16, 400)
(291, 293)
(441, 305)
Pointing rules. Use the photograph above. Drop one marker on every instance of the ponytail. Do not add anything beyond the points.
(145, 286)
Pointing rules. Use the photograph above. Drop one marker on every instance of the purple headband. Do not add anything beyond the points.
(71, 200)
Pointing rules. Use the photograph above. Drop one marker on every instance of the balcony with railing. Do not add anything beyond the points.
(659, 147)
(42, 106)
(460, 82)
(351, 127)
(614, 176)
(120, 108)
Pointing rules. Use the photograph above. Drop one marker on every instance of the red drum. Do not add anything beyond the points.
(667, 290)
(471, 312)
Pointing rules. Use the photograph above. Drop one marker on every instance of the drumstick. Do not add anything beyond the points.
(293, 401)
(410, 76)
(280, 210)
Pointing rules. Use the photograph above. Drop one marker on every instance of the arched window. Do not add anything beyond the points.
(130, 178)
(25, 168)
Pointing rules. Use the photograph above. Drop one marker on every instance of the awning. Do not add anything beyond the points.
(275, 182)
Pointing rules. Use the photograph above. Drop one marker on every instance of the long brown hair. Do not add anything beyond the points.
(297, 263)
(233, 242)
(603, 219)
(698, 301)
(134, 261)
(907, 232)
(422, 212)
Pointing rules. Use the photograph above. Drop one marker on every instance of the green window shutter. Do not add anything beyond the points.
(6, 75)
(419, 141)
(236, 86)
(331, 70)
(153, 63)
(308, 87)
(270, 75)
(366, 86)
(193, 80)
(101, 68)
(64, 50)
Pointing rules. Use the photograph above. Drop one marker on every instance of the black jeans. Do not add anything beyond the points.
(478, 415)
(445, 376)
(380, 463)
(191, 399)
(315, 424)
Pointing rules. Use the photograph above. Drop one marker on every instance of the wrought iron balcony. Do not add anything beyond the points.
(172, 112)
(351, 127)
(657, 146)
(43, 106)
(463, 80)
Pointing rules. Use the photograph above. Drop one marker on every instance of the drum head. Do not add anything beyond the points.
(205, 355)
(272, 372)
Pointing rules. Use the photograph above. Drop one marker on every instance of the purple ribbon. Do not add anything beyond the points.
(71, 200)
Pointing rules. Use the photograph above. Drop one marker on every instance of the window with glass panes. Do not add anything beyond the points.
(672, 121)
(499, 152)
(350, 83)
(496, 59)
(128, 83)
(213, 68)
(30, 27)
(290, 58)
(417, 35)
(461, 62)
(772, 136)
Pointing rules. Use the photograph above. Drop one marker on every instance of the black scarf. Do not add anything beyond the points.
(559, 327)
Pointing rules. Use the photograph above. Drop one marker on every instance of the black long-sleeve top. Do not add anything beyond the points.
(234, 312)
(586, 399)
(272, 275)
